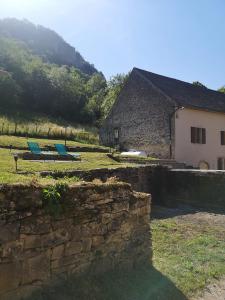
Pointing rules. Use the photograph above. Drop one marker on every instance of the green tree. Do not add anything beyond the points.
(9, 91)
(222, 89)
(114, 87)
(59, 91)
(96, 90)
(95, 84)
(198, 83)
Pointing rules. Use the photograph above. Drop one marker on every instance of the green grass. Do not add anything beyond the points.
(190, 254)
(27, 169)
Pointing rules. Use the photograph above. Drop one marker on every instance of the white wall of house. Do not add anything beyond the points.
(190, 153)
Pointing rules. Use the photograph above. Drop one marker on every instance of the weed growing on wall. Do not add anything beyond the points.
(53, 201)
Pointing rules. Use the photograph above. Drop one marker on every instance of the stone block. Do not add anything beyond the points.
(97, 241)
(12, 250)
(31, 241)
(76, 232)
(10, 276)
(57, 237)
(36, 268)
(64, 223)
(73, 248)
(2, 197)
(86, 244)
(98, 229)
(57, 252)
(9, 232)
(106, 218)
(104, 201)
(119, 206)
(36, 225)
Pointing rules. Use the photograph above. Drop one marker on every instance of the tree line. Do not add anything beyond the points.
(27, 83)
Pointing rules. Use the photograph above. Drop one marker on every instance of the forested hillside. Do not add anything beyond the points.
(30, 81)
(45, 43)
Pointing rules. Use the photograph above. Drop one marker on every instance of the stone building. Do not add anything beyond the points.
(168, 118)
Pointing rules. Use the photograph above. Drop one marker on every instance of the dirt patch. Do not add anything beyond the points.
(189, 214)
(215, 291)
(204, 218)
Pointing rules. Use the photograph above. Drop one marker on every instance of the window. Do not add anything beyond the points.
(198, 135)
(221, 163)
(222, 137)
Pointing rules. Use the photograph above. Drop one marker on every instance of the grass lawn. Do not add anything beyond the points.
(190, 250)
(89, 160)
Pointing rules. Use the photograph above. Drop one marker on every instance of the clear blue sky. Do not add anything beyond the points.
(184, 39)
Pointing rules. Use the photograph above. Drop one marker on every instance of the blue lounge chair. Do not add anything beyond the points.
(34, 148)
(61, 149)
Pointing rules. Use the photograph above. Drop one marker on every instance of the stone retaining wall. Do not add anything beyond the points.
(201, 189)
(167, 187)
(141, 178)
(100, 227)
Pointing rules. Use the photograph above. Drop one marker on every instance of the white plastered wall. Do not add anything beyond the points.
(193, 154)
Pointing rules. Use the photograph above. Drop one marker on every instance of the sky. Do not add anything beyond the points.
(183, 39)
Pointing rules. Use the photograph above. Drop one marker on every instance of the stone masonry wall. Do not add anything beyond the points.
(101, 227)
(203, 189)
(145, 178)
(141, 113)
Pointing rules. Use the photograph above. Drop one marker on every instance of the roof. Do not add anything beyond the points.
(186, 94)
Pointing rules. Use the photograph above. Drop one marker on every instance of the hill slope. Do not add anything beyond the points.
(45, 43)
(27, 83)
(41, 74)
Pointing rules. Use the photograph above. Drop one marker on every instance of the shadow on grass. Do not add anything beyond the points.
(142, 284)
(164, 212)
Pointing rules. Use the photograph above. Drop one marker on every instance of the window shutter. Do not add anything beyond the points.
(222, 136)
(192, 134)
(219, 164)
(198, 140)
(203, 136)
